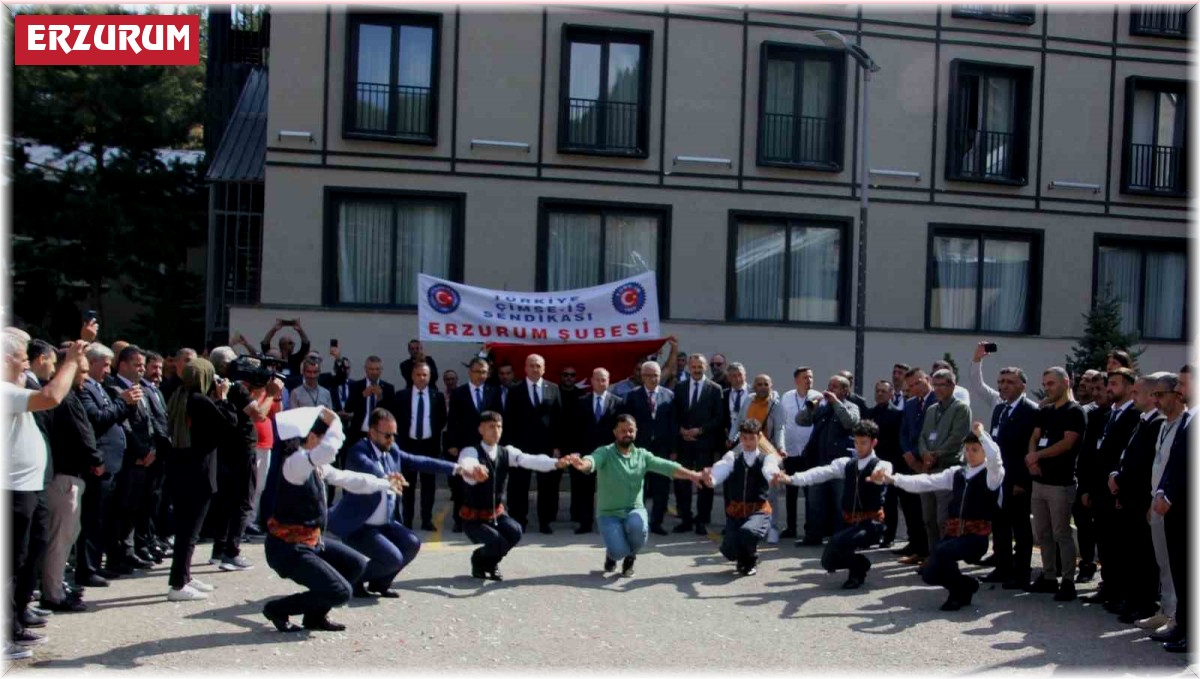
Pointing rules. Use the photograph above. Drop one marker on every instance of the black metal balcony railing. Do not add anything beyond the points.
(1016, 14)
(788, 138)
(401, 110)
(599, 125)
(1168, 20)
(1156, 168)
(980, 154)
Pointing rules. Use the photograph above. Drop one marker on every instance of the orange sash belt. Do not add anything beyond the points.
(294, 534)
(969, 527)
(741, 510)
(469, 514)
(858, 517)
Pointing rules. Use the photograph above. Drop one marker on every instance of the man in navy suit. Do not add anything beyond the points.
(106, 416)
(373, 524)
(535, 412)
(467, 403)
(700, 414)
(421, 411)
(595, 419)
(652, 406)
(921, 398)
(366, 395)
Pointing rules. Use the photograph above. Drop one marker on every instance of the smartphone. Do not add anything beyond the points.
(333, 343)
(990, 347)
(89, 316)
(291, 322)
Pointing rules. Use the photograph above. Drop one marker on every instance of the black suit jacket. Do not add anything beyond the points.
(728, 398)
(106, 416)
(858, 401)
(1104, 455)
(357, 405)
(329, 381)
(401, 406)
(72, 441)
(533, 430)
(889, 418)
(588, 434)
(1136, 466)
(707, 415)
(1013, 440)
(462, 425)
(139, 425)
(658, 433)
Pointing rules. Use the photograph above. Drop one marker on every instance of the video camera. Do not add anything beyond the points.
(257, 371)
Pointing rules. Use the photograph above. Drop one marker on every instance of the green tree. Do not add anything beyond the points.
(1102, 334)
(106, 214)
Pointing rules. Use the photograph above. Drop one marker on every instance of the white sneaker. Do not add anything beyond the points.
(185, 594)
(1153, 622)
(214, 562)
(200, 586)
(773, 536)
(15, 652)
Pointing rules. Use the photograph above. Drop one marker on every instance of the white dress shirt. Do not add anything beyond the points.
(301, 463)
(380, 517)
(795, 437)
(367, 402)
(539, 386)
(722, 469)
(837, 470)
(944, 480)
(425, 423)
(468, 459)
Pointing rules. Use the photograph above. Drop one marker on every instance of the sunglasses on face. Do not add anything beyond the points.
(569, 375)
(1160, 394)
(385, 434)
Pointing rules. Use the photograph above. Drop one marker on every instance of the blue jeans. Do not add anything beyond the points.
(624, 537)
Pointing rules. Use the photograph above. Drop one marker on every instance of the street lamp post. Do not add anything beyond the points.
(868, 66)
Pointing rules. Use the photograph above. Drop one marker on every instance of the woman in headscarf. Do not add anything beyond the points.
(199, 417)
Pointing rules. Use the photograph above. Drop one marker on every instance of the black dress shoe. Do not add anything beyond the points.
(583, 530)
(997, 576)
(64, 606)
(788, 534)
(1087, 571)
(361, 592)
(119, 569)
(93, 580)
(853, 582)
(1042, 585)
(545, 529)
(809, 542)
(323, 624)
(951, 604)
(30, 620)
(627, 566)
(1167, 637)
(682, 528)
(144, 554)
(107, 574)
(138, 563)
(479, 573)
(495, 574)
(1066, 591)
(701, 529)
(610, 565)
(1179, 646)
(965, 594)
(906, 550)
(989, 562)
(658, 530)
(281, 622)
(385, 593)
(427, 526)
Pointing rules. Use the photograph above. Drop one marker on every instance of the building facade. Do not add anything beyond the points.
(1022, 159)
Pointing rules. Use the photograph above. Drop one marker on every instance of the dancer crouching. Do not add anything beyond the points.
(747, 472)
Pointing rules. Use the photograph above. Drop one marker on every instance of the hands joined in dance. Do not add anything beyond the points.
(397, 482)
(781, 478)
(881, 477)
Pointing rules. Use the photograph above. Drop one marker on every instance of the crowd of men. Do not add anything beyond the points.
(1094, 468)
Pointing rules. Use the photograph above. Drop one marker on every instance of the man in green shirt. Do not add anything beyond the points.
(620, 469)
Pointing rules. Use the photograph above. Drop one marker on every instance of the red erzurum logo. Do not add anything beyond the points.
(107, 40)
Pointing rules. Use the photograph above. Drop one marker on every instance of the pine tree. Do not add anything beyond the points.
(1101, 335)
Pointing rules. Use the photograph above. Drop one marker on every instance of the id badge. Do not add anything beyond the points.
(1043, 442)
(995, 432)
(932, 436)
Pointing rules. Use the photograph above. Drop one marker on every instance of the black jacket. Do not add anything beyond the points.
(211, 423)
(106, 416)
(588, 434)
(1174, 483)
(329, 381)
(462, 423)
(139, 426)
(889, 418)
(1135, 467)
(1102, 455)
(357, 406)
(1013, 440)
(72, 441)
(402, 407)
(708, 415)
(539, 430)
(658, 433)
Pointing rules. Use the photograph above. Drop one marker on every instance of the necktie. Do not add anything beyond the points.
(737, 402)
(420, 415)
(599, 407)
(695, 394)
(1004, 416)
(1112, 417)
(370, 401)
(653, 404)
(478, 399)
(537, 397)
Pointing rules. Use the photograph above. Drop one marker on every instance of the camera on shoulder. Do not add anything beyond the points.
(257, 371)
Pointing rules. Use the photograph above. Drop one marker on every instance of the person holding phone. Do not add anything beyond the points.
(294, 359)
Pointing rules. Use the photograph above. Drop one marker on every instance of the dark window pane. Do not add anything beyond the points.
(374, 76)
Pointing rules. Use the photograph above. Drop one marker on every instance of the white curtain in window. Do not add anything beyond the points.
(364, 252)
(573, 251)
(758, 270)
(630, 246)
(422, 246)
(816, 260)
(1120, 275)
(1166, 284)
(1005, 285)
(956, 274)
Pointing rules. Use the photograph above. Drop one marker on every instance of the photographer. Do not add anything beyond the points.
(233, 506)
(200, 418)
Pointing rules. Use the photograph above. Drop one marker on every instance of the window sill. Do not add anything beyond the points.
(1151, 192)
(998, 18)
(390, 138)
(977, 333)
(575, 151)
(345, 306)
(1142, 33)
(810, 167)
(984, 180)
(836, 325)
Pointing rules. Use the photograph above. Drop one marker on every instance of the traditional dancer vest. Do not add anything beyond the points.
(861, 499)
(972, 506)
(746, 490)
(485, 501)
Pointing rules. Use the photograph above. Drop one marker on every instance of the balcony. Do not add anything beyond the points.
(1168, 21)
(984, 155)
(392, 110)
(1156, 169)
(1011, 14)
(603, 126)
(795, 139)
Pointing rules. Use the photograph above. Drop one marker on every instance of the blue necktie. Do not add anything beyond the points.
(695, 394)
(737, 402)
(537, 397)
(599, 408)
(478, 399)
(420, 415)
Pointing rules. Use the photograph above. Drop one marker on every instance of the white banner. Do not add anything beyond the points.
(614, 312)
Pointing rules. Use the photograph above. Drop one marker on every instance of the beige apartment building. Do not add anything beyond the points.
(1021, 160)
